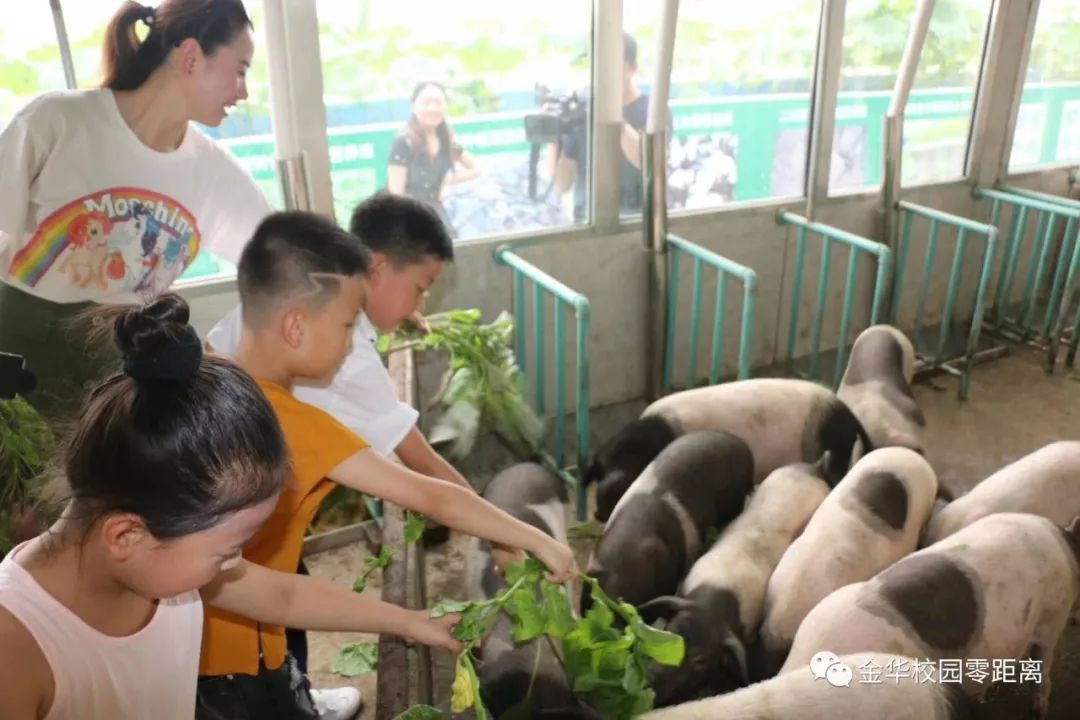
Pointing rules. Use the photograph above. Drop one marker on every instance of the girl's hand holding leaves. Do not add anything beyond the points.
(436, 632)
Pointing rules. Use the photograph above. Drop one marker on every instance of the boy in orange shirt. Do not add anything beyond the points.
(301, 282)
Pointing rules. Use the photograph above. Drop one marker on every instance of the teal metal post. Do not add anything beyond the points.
(726, 269)
(857, 244)
(796, 298)
(924, 284)
(563, 298)
(965, 230)
(1025, 327)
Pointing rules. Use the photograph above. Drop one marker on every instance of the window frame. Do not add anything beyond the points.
(606, 59)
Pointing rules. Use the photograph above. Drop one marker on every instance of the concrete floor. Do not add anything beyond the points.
(1014, 408)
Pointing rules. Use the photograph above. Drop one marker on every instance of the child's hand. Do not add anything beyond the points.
(559, 559)
(435, 631)
(505, 555)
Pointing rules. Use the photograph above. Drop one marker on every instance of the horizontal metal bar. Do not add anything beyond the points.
(747, 275)
(1045, 197)
(865, 244)
(955, 220)
(505, 256)
(924, 369)
(1027, 202)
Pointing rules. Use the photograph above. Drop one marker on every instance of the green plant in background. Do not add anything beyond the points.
(605, 665)
(26, 444)
(481, 390)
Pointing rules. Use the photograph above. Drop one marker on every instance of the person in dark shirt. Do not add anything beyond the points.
(425, 157)
(572, 162)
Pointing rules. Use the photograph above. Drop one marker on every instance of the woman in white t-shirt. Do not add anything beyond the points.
(109, 194)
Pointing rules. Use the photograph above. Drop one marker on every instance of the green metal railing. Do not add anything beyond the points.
(1070, 275)
(725, 268)
(564, 299)
(856, 244)
(1025, 326)
(963, 227)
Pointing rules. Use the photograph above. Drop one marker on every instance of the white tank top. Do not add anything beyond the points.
(150, 674)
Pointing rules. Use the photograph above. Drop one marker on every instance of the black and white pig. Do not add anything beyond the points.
(719, 606)
(1003, 587)
(870, 520)
(803, 696)
(877, 388)
(656, 531)
(1046, 482)
(783, 421)
(532, 494)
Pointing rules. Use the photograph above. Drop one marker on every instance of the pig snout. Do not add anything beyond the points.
(716, 659)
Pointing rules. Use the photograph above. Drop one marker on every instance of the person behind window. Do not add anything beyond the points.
(425, 158)
(571, 161)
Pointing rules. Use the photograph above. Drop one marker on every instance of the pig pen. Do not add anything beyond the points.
(1015, 409)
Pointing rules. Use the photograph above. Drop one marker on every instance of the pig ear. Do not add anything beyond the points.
(666, 607)
(594, 472)
(736, 652)
(1074, 527)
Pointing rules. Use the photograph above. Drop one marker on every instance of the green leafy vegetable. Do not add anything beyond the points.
(414, 527)
(559, 620)
(606, 665)
(414, 530)
(420, 712)
(356, 659)
(450, 606)
(475, 622)
(528, 618)
(481, 390)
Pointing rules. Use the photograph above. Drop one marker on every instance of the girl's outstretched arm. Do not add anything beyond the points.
(307, 603)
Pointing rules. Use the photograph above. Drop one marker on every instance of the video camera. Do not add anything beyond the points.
(560, 115)
(14, 378)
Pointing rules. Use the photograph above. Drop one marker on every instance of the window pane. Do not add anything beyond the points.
(246, 132)
(641, 23)
(1048, 124)
(740, 100)
(29, 60)
(938, 114)
(481, 63)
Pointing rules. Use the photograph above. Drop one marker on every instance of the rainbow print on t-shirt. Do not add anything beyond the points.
(122, 238)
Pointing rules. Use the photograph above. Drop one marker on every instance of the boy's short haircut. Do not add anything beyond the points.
(405, 229)
(296, 254)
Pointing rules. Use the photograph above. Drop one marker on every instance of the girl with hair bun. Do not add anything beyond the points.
(109, 194)
(173, 465)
